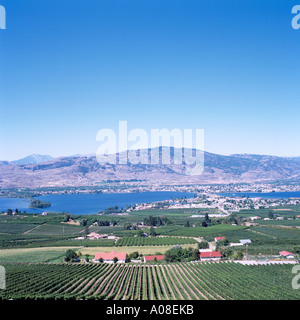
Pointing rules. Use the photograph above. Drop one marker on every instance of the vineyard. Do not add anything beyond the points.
(181, 281)
(155, 241)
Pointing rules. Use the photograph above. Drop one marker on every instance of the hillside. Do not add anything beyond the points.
(34, 158)
(85, 170)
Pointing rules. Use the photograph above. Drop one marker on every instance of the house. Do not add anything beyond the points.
(93, 235)
(245, 241)
(108, 257)
(219, 238)
(160, 257)
(213, 255)
(255, 218)
(237, 244)
(287, 254)
(96, 236)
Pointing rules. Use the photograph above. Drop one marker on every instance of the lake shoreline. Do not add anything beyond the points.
(82, 204)
(263, 195)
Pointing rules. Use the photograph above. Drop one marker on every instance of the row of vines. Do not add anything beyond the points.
(154, 241)
(180, 281)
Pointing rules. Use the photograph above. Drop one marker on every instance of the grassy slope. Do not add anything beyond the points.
(32, 255)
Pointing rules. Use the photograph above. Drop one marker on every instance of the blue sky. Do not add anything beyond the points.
(71, 68)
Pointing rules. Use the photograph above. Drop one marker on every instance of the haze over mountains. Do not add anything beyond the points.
(44, 171)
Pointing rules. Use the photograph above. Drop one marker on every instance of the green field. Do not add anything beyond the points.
(54, 229)
(33, 250)
(180, 281)
(154, 241)
(215, 230)
(36, 231)
(15, 228)
(33, 255)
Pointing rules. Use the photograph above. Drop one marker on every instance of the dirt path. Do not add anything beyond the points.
(109, 282)
(140, 285)
(73, 285)
(83, 283)
(129, 281)
(99, 279)
(264, 234)
(134, 284)
(150, 283)
(116, 277)
(159, 275)
(169, 286)
(152, 270)
(214, 288)
(28, 231)
(170, 277)
(187, 272)
(124, 279)
(180, 285)
(93, 279)
(93, 286)
(189, 286)
(201, 281)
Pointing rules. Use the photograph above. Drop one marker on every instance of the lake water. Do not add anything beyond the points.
(267, 195)
(90, 203)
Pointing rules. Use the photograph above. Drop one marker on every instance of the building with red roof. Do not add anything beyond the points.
(219, 238)
(109, 256)
(152, 258)
(287, 254)
(212, 255)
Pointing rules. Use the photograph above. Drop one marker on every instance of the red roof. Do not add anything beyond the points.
(212, 254)
(285, 253)
(151, 258)
(110, 255)
(220, 238)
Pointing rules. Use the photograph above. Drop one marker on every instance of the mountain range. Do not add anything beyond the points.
(44, 171)
(33, 159)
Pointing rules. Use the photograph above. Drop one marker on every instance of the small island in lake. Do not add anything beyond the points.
(37, 204)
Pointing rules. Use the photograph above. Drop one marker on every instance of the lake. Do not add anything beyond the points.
(90, 203)
(266, 195)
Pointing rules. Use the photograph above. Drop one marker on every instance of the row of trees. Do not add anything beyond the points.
(177, 253)
(207, 221)
(156, 221)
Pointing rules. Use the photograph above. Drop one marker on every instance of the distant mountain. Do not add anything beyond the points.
(82, 155)
(33, 159)
(87, 171)
(294, 158)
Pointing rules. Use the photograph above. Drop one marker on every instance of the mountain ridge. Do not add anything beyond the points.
(87, 171)
(33, 158)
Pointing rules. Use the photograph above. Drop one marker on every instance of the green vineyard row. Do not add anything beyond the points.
(180, 281)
